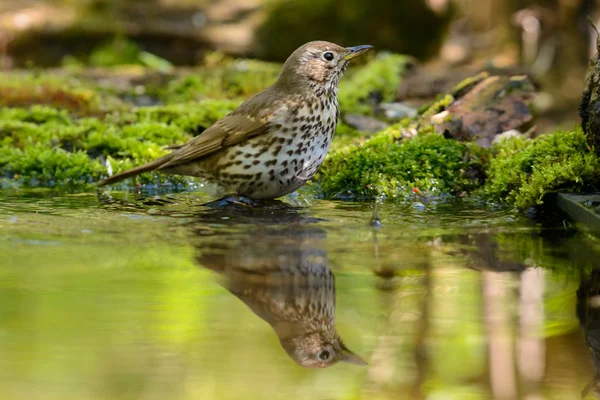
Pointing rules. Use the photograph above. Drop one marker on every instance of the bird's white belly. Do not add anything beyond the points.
(273, 166)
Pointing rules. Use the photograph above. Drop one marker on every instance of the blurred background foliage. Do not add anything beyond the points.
(271, 29)
(549, 39)
(409, 27)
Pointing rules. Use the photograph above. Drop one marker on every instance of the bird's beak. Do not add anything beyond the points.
(356, 51)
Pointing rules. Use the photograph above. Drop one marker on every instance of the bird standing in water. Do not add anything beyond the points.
(275, 141)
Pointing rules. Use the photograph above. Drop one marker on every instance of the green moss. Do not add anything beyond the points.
(522, 172)
(53, 152)
(516, 171)
(49, 166)
(438, 105)
(189, 117)
(346, 135)
(187, 88)
(467, 84)
(118, 51)
(248, 77)
(428, 164)
(442, 101)
(77, 96)
(87, 147)
(36, 114)
(122, 51)
(228, 80)
(378, 79)
(84, 148)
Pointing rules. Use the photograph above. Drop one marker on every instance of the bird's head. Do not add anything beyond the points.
(319, 349)
(318, 65)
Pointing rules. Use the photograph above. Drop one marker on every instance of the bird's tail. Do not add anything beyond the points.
(151, 166)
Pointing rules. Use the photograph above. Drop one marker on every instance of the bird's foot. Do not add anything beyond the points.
(237, 200)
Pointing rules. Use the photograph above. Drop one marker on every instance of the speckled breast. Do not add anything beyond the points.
(279, 162)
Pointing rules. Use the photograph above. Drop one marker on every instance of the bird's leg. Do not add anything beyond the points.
(235, 200)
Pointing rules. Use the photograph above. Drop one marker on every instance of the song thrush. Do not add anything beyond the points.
(275, 141)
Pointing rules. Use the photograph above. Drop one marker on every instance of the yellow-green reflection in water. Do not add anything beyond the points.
(161, 298)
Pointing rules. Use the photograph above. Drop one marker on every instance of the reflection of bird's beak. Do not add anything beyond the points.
(350, 357)
(356, 51)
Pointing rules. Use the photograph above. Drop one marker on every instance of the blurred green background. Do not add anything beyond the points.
(43, 32)
(549, 39)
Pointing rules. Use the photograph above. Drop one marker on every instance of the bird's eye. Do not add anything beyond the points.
(328, 56)
(324, 355)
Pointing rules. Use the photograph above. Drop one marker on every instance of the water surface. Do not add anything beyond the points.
(125, 296)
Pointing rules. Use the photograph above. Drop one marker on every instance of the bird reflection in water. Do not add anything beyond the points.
(275, 263)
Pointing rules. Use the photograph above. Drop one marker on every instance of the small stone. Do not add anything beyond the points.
(506, 135)
(440, 117)
(418, 206)
(398, 111)
(494, 105)
(364, 123)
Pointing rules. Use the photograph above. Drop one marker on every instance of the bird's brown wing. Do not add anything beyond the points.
(228, 131)
(250, 119)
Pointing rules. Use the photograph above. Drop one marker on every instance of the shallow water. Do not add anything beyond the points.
(131, 297)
